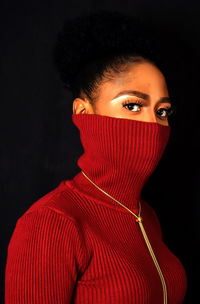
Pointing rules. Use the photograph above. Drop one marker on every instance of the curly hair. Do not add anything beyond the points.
(96, 46)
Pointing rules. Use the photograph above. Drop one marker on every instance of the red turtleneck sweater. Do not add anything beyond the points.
(77, 245)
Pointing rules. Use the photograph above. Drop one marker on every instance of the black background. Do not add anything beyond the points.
(40, 145)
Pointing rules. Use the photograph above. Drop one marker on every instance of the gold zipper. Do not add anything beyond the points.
(139, 220)
(155, 260)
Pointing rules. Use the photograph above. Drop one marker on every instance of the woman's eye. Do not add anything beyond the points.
(134, 107)
(164, 113)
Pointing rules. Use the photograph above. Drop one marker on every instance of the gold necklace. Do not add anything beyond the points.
(139, 220)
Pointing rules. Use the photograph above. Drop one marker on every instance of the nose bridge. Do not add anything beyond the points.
(152, 116)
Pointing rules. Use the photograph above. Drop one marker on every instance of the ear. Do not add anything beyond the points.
(82, 106)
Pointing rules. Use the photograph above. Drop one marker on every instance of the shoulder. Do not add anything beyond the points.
(54, 216)
(49, 228)
(61, 202)
(47, 242)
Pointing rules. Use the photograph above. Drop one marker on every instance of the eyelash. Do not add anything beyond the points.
(169, 110)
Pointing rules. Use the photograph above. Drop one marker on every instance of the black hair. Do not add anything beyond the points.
(93, 46)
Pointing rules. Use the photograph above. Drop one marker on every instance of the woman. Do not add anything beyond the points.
(93, 239)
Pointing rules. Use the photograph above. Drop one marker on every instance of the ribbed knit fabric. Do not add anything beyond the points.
(76, 245)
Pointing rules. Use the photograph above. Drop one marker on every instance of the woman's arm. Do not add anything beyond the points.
(41, 261)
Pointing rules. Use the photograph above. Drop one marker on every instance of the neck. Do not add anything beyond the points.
(119, 155)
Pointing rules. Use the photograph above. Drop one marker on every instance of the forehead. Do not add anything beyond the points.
(144, 76)
(141, 73)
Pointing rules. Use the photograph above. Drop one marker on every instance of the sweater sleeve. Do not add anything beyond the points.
(42, 259)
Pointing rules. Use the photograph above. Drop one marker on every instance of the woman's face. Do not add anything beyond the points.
(140, 93)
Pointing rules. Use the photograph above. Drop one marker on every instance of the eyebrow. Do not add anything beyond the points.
(141, 95)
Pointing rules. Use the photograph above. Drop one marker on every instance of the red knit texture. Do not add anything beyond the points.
(76, 245)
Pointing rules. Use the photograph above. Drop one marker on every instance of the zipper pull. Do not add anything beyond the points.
(139, 219)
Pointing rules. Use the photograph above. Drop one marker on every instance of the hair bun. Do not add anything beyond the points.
(97, 35)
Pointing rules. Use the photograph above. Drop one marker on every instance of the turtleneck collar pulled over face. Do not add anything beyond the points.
(119, 156)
